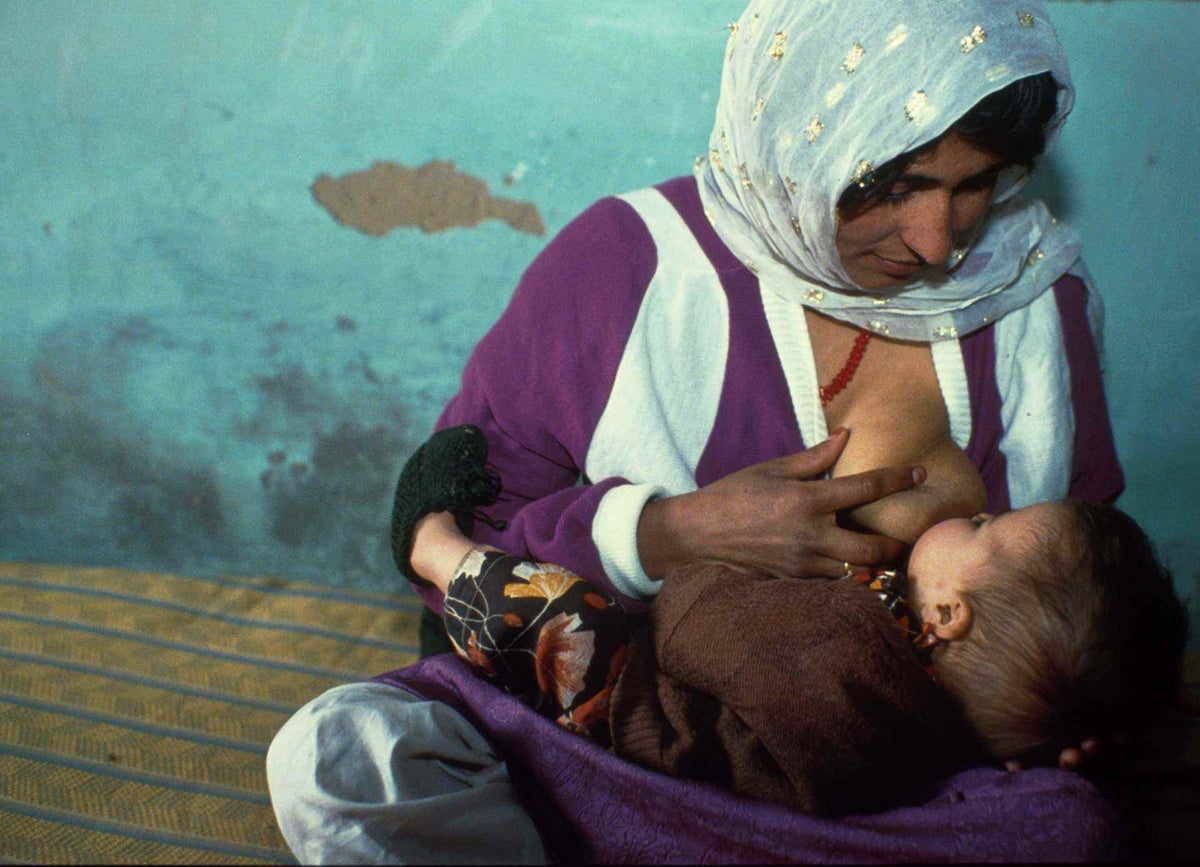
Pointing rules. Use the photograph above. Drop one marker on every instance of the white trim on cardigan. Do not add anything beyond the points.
(789, 331)
(1036, 411)
(664, 398)
(951, 373)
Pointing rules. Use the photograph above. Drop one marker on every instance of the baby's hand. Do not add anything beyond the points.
(1070, 759)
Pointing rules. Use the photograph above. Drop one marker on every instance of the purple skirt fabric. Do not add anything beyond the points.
(593, 807)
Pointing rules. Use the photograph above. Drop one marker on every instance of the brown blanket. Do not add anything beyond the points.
(802, 692)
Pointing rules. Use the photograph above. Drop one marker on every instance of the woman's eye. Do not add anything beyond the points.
(894, 197)
(978, 185)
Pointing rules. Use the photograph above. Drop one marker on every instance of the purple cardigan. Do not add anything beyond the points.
(541, 379)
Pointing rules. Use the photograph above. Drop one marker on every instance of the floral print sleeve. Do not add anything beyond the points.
(541, 633)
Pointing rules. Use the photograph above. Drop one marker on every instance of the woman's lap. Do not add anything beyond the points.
(371, 772)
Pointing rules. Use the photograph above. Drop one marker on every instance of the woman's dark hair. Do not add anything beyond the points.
(1009, 124)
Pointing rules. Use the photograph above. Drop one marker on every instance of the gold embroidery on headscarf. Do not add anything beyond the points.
(698, 162)
(896, 38)
(835, 94)
(715, 156)
(758, 109)
(754, 22)
(945, 332)
(814, 296)
(1025, 18)
(917, 108)
(796, 227)
(812, 132)
(862, 173)
(975, 37)
(744, 174)
(877, 326)
(734, 27)
(879, 302)
(1034, 257)
(853, 57)
(791, 187)
(753, 268)
(777, 46)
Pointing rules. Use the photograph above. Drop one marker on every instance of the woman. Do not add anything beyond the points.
(850, 252)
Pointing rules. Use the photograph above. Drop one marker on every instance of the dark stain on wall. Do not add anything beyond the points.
(327, 494)
(291, 388)
(88, 464)
(338, 491)
(160, 517)
(93, 474)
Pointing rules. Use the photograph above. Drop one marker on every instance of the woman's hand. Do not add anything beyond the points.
(778, 518)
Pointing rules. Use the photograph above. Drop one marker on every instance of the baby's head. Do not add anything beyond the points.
(1055, 622)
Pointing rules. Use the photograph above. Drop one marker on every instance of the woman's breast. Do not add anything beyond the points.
(893, 407)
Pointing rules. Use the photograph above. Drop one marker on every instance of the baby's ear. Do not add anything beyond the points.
(949, 614)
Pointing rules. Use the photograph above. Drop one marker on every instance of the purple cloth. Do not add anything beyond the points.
(596, 808)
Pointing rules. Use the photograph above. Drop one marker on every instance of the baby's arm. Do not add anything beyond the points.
(438, 548)
(952, 489)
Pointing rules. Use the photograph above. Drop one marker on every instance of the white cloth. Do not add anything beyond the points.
(816, 92)
(370, 774)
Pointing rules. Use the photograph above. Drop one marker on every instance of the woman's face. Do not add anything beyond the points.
(930, 209)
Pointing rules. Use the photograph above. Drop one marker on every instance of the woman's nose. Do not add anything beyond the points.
(930, 230)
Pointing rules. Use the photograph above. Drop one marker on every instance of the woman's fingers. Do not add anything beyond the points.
(824, 567)
(860, 550)
(847, 492)
(811, 463)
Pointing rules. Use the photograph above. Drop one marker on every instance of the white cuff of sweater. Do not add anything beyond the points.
(614, 531)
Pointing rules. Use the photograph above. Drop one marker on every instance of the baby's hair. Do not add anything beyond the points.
(1082, 638)
(1010, 124)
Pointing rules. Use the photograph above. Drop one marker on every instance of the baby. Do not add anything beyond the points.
(1010, 636)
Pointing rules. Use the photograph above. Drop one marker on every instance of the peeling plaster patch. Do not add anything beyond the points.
(434, 197)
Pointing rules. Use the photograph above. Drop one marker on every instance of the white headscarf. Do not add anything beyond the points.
(815, 93)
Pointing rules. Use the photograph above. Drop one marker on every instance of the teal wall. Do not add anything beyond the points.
(201, 371)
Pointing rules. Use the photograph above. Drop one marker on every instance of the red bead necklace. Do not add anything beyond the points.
(829, 392)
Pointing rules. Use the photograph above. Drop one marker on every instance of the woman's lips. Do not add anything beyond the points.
(896, 269)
